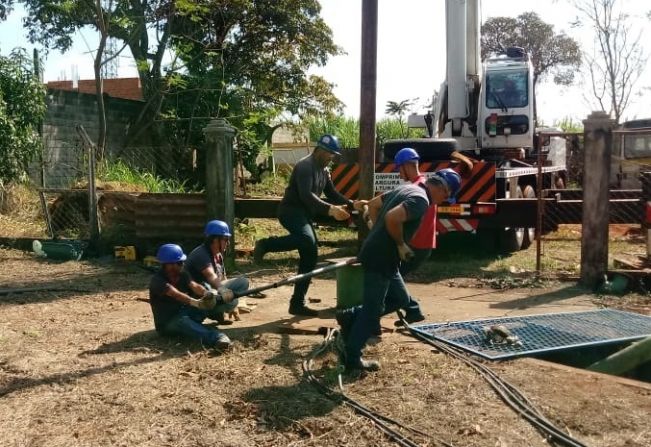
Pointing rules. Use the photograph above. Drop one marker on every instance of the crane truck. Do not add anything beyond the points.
(487, 113)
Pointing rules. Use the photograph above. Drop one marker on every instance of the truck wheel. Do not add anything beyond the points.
(529, 233)
(512, 238)
(488, 240)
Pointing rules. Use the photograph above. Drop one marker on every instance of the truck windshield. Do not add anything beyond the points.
(507, 90)
(637, 146)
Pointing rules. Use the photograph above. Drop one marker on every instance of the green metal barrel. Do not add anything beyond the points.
(350, 286)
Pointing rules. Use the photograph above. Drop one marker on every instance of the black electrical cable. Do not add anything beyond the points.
(379, 420)
(508, 393)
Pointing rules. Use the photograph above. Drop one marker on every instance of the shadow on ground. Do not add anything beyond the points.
(147, 342)
(542, 299)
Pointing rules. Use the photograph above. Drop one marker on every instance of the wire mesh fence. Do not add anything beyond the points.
(66, 213)
(152, 169)
(561, 204)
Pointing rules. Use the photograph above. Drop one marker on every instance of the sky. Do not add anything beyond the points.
(411, 52)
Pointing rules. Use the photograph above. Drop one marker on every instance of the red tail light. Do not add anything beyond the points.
(492, 124)
(648, 213)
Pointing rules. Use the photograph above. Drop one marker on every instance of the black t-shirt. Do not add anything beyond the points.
(200, 258)
(379, 251)
(164, 307)
(306, 185)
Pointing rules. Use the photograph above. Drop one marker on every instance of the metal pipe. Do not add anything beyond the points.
(296, 278)
(539, 207)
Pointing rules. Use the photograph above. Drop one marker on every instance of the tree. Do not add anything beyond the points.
(551, 53)
(617, 60)
(253, 52)
(398, 109)
(22, 107)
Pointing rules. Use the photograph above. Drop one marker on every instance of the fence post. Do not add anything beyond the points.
(220, 203)
(645, 177)
(596, 178)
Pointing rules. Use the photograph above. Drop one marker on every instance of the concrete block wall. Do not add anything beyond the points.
(63, 156)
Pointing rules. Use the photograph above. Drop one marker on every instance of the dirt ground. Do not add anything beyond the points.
(83, 367)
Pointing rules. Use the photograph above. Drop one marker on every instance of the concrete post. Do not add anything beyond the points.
(220, 201)
(596, 176)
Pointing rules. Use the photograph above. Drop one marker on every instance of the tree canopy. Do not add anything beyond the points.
(230, 58)
(22, 107)
(617, 60)
(551, 53)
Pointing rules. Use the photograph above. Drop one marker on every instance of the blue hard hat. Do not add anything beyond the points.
(405, 155)
(451, 179)
(329, 143)
(170, 254)
(217, 228)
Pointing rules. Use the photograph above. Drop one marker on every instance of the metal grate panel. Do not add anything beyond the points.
(543, 333)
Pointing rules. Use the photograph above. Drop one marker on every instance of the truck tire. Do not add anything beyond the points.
(488, 239)
(512, 238)
(529, 233)
(429, 149)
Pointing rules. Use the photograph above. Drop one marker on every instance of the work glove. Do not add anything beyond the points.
(359, 205)
(366, 216)
(226, 294)
(338, 212)
(405, 252)
(206, 302)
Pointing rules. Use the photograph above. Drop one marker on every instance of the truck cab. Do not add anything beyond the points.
(631, 153)
(506, 102)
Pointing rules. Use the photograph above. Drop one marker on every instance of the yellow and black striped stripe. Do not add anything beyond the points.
(479, 186)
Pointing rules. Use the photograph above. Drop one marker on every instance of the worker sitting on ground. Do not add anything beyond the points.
(301, 202)
(206, 266)
(175, 312)
(404, 214)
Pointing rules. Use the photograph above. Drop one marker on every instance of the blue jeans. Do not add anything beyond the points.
(413, 308)
(301, 237)
(187, 322)
(382, 295)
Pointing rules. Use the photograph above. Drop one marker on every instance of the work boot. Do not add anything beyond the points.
(362, 365)
(220, 318)
(223, 342)
(411, 319)
(259, 251)
(300, 309)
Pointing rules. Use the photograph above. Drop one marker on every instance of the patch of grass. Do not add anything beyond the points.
(20, 211)
(271, 185)
(122, 173)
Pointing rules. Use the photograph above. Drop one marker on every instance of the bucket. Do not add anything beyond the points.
(350, 286)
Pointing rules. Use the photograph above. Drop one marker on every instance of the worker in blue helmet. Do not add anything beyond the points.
(172, 295)
(400, 221)
(206, 266)
(302, 201)
(406, 164)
